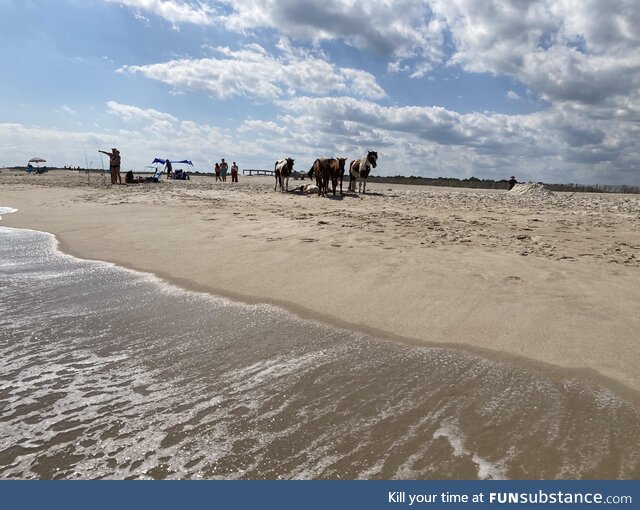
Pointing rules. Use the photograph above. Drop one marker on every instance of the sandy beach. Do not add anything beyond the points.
(550, 278)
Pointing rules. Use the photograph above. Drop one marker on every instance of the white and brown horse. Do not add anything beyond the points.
(282, 171)
(359, 171)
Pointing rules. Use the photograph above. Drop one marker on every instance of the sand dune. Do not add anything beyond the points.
(551, 277)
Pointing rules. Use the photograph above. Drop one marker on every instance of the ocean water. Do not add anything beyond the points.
(110, 373)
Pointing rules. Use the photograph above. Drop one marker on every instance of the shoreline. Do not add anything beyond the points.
(536, 318)
(557, 372)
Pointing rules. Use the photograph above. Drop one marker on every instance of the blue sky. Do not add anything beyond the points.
(547, 90)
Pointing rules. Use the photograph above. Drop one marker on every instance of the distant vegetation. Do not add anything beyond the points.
(449, 182)
(474, 182)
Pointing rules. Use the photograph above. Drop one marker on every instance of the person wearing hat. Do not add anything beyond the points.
(114, 165)
(512, 182)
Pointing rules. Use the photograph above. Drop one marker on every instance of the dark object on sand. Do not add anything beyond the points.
(181, 175)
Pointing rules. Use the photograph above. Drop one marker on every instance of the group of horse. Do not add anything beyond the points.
(329, 169)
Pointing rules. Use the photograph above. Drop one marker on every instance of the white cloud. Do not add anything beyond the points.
(404, 29)
(130, 113)
(143, 19)
(175, 11)
(252, 71)
(65, 109)
(580, 60)
(265, 126)
(411, 140)
(482, 144)
(565, 51)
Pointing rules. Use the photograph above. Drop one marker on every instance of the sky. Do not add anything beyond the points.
(546, 90)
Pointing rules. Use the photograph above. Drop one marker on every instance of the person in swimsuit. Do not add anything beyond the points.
(114, 165)
(224, 167)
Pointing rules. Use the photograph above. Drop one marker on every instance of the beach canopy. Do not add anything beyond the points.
(37, 160)
(163, 161)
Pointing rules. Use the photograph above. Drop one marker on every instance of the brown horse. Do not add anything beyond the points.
(337, 171)
(321, 170)
(327, 169)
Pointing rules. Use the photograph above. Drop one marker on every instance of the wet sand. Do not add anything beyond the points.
(552, 279)
(112, 373)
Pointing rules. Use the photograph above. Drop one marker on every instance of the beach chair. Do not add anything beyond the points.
(155, 177)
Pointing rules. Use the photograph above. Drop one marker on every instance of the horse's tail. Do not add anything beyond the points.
(311, 170)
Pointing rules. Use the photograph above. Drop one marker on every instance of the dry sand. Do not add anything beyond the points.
(552, 278)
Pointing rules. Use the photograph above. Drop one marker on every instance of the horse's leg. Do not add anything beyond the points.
(364, 185)
(287, 182)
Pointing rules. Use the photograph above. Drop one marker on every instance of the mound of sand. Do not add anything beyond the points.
(531, 189)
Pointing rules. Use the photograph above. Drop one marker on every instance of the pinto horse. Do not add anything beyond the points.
(282, 170)
(359, 171)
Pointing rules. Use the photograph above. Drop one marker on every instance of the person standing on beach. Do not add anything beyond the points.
(512, 183)
(224, 167)
(234, 172)
(114, 165)
(217, 171)
(168, 168)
